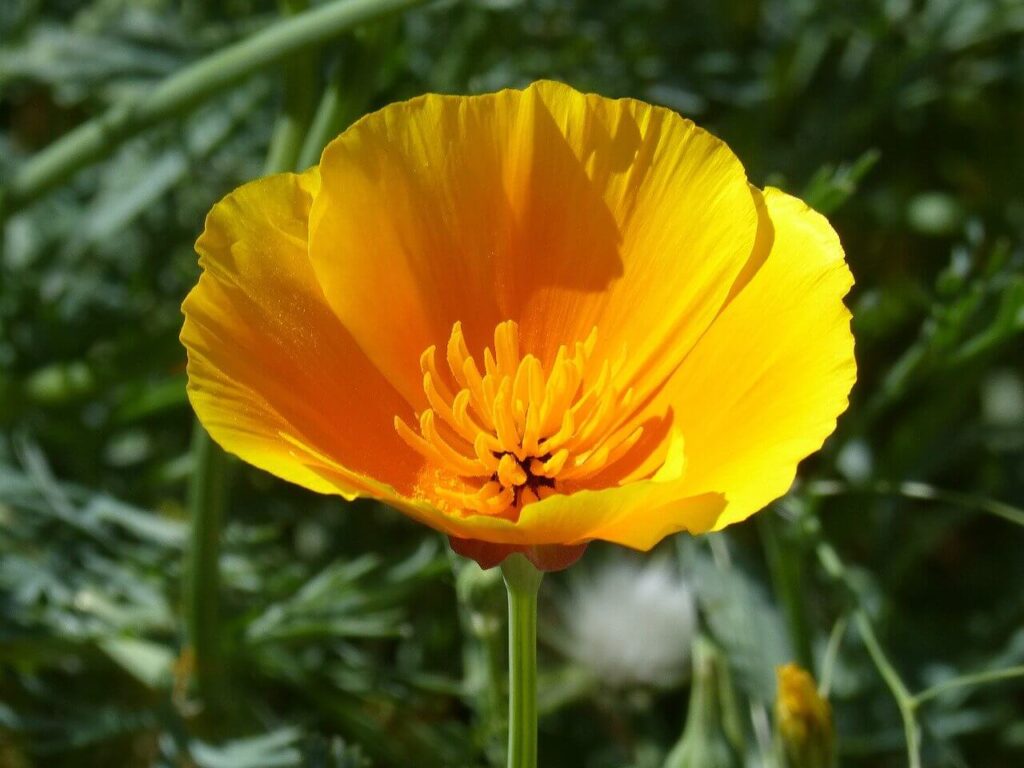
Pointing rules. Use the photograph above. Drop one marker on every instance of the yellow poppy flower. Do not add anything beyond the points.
(528, 319)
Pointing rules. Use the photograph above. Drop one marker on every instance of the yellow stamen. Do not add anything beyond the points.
(512, 435)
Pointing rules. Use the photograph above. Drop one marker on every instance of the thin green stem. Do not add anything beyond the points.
(924, 492)
(828, 663)
(327, 120)
(907, 702)
(100, 136)
(350, 87)
(207, 500)
(835, 568)
(785, 564)
(904, 700)
(522, 582)
(968, 681)
(300, 79)
(344, 99)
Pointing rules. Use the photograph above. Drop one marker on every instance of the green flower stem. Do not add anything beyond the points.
(208, 495)
(713, 734)
(213, 74)
(904, 701)
(969, 681)
(828, 662)
(522, 581)
(834, 567)
(785, 564)
(208, 490)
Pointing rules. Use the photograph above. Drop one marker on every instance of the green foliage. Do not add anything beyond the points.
(345, 636)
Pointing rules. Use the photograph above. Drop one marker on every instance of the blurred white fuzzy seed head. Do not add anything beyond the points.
(631, 623)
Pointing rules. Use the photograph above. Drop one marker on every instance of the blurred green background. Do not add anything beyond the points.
(349, 636)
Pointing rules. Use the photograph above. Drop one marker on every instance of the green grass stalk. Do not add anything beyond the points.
(182, 91)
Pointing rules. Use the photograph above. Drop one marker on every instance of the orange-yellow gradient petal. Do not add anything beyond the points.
(764, 386)
(560, 210)
(527, 319)
(273, 376)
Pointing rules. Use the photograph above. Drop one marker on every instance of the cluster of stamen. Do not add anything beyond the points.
(512, 434)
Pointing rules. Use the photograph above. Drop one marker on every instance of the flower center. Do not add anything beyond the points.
(515, 434)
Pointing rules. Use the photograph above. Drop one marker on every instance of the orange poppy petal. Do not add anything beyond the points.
(273, 375)
(560, 210)
(545, 557)
(764, 386)
(637, 515)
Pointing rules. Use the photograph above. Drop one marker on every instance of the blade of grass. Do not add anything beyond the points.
(349, 91)
(300, 78)
(100, 136)
(327, 122)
